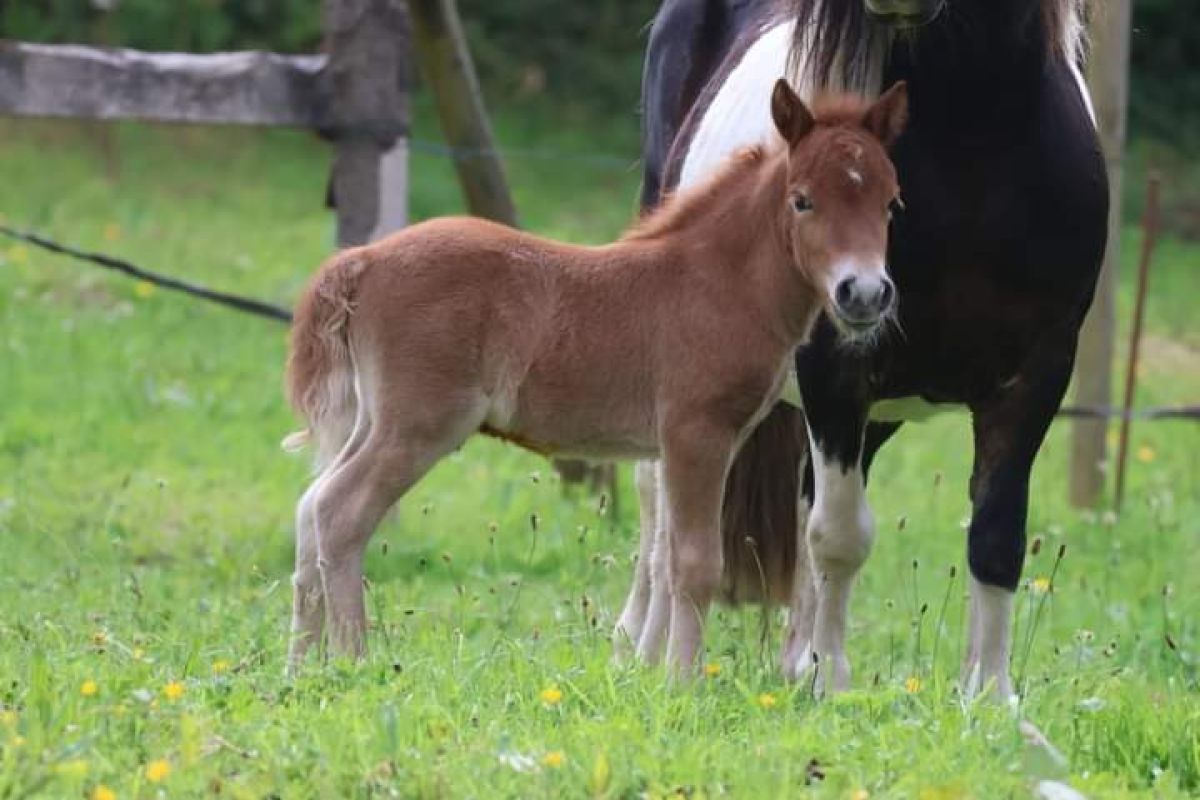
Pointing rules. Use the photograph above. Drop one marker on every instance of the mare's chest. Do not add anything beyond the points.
(998, 250)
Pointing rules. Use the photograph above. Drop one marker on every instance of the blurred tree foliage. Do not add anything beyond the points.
(585, 53)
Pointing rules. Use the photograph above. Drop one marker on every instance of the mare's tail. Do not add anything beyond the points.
(758, 520)
(320, 370)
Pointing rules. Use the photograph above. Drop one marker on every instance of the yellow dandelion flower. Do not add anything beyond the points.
(554, 759)
(1040, 585)
(16, 741)
(157, 771)
(860, 794)
(112, 232)
(173, 690)
(18, 254)
(89, 688)
(912, 685)
(137, 653)
(767, 700)
(8, 718)
(143, 289)
(220, 666)
(99, 638)
(552, 695)
(102, 792)
(1146, 454)
(712, 670)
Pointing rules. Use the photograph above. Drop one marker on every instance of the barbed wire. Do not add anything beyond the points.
(280, 314)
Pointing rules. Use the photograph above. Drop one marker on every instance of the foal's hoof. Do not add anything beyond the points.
(624, 644)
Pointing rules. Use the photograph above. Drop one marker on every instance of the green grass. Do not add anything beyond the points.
(145, 523)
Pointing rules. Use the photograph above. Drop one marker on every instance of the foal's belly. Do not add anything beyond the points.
(589, 422)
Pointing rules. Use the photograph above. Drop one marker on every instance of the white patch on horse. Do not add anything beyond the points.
(988, 635)
(855, 176)
(740, 113)
(841, 530)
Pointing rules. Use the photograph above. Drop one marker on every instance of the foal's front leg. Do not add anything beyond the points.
(696, 459)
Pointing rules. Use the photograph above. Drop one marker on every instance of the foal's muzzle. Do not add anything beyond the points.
(904, 13)
(861, 303)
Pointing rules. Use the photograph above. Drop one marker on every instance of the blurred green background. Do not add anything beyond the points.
(528, 53)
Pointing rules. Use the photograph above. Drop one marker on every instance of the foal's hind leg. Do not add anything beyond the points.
(633, 617)
(308, 595)
(350, 504)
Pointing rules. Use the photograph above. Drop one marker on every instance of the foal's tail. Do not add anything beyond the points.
(320, 370)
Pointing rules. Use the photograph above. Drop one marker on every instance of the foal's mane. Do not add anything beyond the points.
(835, 41)
(682, 206)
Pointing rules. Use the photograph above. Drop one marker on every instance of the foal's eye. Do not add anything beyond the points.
(895, 206)
(801, 203)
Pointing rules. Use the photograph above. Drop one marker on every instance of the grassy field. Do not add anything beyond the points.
(145, 533)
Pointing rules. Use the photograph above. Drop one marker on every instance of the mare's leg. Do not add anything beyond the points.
(797, 660)
(355, 497)
(633, 617)
(658, 609)
(696, 457)
(1009, 429)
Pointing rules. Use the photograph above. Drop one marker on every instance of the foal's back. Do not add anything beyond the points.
(547, 336)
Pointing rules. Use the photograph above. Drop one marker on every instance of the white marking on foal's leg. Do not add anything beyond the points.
(796, 659)
(633, 617)
(658, 609)
(841, 530)
(308, 599)
(988, 643)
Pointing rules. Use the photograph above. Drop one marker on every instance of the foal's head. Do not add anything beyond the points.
(841, 190)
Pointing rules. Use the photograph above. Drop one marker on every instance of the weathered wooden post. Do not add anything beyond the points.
(446, 64)
(1108, 78)
(365, 84)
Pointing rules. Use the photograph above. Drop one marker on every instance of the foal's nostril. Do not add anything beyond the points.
(844, 293)
(887, 295)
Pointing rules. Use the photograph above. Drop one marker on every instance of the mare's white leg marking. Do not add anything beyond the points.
(841, 530)
(988, 633)
(633, 617)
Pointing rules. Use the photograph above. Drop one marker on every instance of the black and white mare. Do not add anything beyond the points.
(995, 259)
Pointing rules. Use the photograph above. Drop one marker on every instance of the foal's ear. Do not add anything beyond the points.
(792, 118)
(886, 118)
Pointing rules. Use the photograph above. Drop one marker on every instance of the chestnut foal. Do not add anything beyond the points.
(671, 343)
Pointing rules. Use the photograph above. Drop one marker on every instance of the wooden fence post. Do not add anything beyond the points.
(446, 64)
(1108, 78)
(365, 84)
